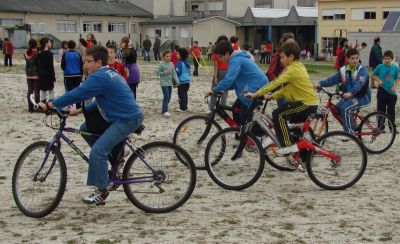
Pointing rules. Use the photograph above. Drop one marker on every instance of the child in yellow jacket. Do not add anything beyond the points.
(297, 90)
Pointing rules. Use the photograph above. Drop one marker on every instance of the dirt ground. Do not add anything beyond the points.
(282, 207)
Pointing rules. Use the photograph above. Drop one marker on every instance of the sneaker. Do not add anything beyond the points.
(96, 197)
(266, 141)
(166, 114)
(288, 150)
(290, 165)
(181, 110)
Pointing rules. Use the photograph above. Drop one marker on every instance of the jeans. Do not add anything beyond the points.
(183, 96)
(7, 59)
(33, 87)
(196, 67)
(103, 145)
(346, 108)
(157, 54)
(146, 55)
(167, 92)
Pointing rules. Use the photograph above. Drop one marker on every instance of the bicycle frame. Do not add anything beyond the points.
(56, 142)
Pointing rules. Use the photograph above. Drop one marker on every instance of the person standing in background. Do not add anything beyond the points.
(263, 52)
(196, 52)
(47, 76)
(156, 48)
(375, 57)
(31, 69)
(268, 51)
(8, 51)
(146, 49)
(174, 55)
(210, 50)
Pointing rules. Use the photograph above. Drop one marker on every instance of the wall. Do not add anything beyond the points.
(50, 21)
(237, 8)
(3, 31)
(389, 41)
(326, 27)
(162, 7)
(209, 30)
(182, 41)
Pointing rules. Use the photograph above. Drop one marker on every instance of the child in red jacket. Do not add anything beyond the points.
(8, 51)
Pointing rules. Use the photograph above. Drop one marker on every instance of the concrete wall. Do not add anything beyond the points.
(209, 30)
(182, 41)
(389, 41)
(237, 8)
(326, 27)
(50, 21)
(162, 7)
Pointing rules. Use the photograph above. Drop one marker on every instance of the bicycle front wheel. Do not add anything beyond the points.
(188, 134)
(377, 132)
(162, 183)
(37, 195)
(337, 175)
(228, 171)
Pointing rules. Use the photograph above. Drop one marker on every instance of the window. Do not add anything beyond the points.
(386, 11)
(184, 32)
(333, 14)
(66, 26)
(41, 28)
(10, 22)
(158, 32)
(32, 25)
(369, 15)
(92, 26)
(327, 45)
(195, 7)
(166, 32)
(363, 14)
(133, 28)
(116, 27)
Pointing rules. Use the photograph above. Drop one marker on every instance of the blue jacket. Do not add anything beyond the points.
(357, 82)
(113, 96)
(243, 75)
(183, 71)
(71, 63)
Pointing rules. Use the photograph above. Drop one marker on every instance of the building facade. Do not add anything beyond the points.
(337, 18)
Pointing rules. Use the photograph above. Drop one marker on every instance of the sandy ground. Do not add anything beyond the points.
(282, 207)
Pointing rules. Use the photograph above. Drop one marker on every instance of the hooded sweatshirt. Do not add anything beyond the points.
(243, 75)
(183, 71)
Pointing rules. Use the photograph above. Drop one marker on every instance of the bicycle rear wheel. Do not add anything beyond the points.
(39, 196)
(188, 133)
(377, 132)
(241, 172)
(332, 175)
(176, 179)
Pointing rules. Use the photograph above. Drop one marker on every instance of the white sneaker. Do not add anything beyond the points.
(266, 141)
(288, 150)
(182, 111)
(166, 114)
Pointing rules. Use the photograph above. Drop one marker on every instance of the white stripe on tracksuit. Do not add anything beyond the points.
(347, 113)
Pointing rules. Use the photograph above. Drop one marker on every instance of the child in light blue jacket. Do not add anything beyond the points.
(183, 72)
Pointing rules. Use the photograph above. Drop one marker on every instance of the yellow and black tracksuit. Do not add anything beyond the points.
(300, 95)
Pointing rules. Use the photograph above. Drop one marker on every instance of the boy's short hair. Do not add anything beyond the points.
(71, 44)
(352, 51)
(223, 47)
(389, 54)
(363, 44)
(290, 48)
(221, 38)
(112, 46)
(165, 53)
(98, 53)
(196, 42)
(183, 53)
(177, 47)
(233, 39)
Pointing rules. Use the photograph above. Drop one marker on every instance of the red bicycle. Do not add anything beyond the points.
(376, 130)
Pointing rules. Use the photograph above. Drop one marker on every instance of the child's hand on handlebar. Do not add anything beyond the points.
(42, 106)
(250, 95)
(317, 85)
(74, 111)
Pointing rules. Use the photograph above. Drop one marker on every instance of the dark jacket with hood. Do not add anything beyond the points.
(31, 63)
(46, 72)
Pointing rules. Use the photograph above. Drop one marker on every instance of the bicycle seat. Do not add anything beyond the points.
(140, 129)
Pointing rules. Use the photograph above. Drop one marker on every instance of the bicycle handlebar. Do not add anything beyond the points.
(62, 114)
(337, 93)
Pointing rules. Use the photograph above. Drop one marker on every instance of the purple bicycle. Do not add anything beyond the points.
(154, 178)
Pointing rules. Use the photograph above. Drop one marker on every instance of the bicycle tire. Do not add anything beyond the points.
(342, 142)
(198, 150)
(224, 165)
(35, 192)
(186, 166)
(392, 132)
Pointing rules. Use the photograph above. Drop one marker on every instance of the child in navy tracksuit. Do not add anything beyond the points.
(72, 65)
(183, 72)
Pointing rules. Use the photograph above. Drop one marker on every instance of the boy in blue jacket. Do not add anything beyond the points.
(354, 81)
(72, 65)
(243, 75)
(183, 72)
(115, 101)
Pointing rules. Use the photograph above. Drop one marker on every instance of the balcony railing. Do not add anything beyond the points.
(205, 13)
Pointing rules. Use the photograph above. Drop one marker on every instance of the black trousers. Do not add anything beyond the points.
(268, 58)
(70, 83)
(183, 96)
(293, 112)
(386, 103)
(133, 89)
(33, 87)
(157, 54)
(196, 67)
(263, 60)
(8, 60)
